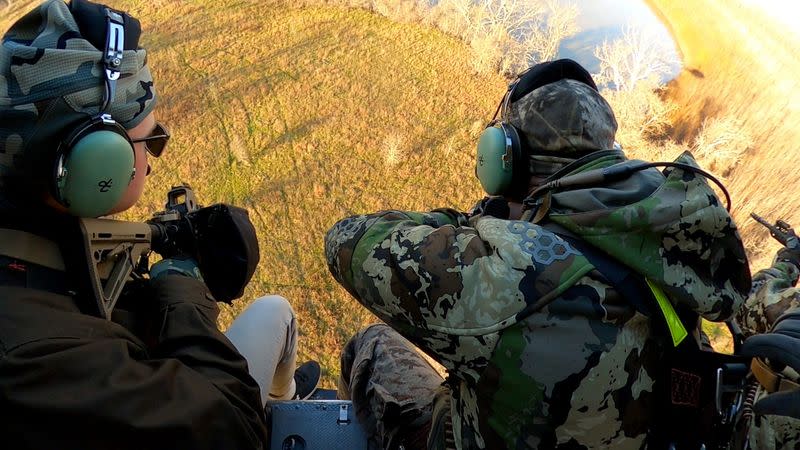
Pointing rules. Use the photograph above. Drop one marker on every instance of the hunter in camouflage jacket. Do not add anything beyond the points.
(773, 294)
(541, 351)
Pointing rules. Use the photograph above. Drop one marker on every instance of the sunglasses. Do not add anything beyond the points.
(157, 141)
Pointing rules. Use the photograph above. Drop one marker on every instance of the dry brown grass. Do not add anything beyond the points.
(737, 107)
(742, 65)
(305, 115)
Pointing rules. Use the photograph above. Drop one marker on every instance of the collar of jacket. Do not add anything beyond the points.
(595, 160)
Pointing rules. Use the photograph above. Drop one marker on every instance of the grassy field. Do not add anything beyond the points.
(740, 63)
(305, 115)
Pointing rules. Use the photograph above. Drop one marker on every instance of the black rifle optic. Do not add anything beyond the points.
(219, 237)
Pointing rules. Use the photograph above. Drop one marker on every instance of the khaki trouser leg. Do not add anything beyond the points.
(266, 335)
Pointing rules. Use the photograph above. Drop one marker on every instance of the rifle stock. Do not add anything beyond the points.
(113, 250)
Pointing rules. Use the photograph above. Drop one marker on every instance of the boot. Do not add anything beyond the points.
(306, 379)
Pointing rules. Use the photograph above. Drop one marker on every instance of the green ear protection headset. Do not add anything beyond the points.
(95, 163)
(502, 165)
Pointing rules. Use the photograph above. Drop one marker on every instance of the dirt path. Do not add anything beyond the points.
(741, 63)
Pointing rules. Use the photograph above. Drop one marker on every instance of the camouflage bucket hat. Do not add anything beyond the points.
(52, 79)
(565, 118)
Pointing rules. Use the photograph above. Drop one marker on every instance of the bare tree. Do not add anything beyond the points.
(509, 35)
(514, 17)
(636, 57)
(543, 41)
(506, 36)
(455, 17)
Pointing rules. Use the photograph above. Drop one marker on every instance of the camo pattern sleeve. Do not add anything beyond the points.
(343, 238)
(448, 284)
(772, 294)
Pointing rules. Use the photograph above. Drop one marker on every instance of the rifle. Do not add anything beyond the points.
(781, 231)
(219, 237)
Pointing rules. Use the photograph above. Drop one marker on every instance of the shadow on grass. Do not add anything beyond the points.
(299, 132)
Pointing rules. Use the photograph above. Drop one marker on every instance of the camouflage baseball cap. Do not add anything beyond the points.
(51, 80)
(566, 118)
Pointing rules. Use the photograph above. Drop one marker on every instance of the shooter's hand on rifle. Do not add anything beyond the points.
(176, 265)
(783, 233)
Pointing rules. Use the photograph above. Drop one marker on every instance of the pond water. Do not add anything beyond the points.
(601, 20)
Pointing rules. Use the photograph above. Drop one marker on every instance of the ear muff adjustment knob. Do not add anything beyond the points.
(92, 178)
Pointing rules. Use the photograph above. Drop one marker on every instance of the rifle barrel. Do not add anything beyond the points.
(761, 220)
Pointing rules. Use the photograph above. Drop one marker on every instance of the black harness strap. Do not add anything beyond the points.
(628, 283)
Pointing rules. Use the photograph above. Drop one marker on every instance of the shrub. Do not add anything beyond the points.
(642, 114)
(505, 36)
(508, 36)
(721, 143)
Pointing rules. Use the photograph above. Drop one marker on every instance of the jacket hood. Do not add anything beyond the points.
(667, 226)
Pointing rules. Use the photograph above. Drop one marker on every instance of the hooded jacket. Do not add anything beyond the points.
(540, 349)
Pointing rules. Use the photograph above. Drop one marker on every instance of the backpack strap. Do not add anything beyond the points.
(646, 297)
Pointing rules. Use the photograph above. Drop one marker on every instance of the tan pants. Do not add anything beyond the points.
(266, 335)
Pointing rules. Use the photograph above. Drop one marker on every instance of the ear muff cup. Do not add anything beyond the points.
(500, 165)
(94, 170)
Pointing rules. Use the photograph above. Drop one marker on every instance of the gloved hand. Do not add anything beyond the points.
(176, 265)
(782, 347)
(491, 206)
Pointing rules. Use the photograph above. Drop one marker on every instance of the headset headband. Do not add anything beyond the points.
(112, 58)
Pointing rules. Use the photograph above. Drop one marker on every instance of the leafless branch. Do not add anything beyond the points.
(635, 57)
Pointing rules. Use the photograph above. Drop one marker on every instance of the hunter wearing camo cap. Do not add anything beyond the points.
(156, 373)
(542, 350)
(52, 79)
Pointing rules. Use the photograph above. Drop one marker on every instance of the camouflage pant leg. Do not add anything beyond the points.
(390, 384)
(768, 432)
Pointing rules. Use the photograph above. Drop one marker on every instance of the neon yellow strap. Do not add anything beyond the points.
(676, 328)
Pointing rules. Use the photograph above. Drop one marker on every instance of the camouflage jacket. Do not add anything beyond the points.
(773, 293)
(541, 351)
